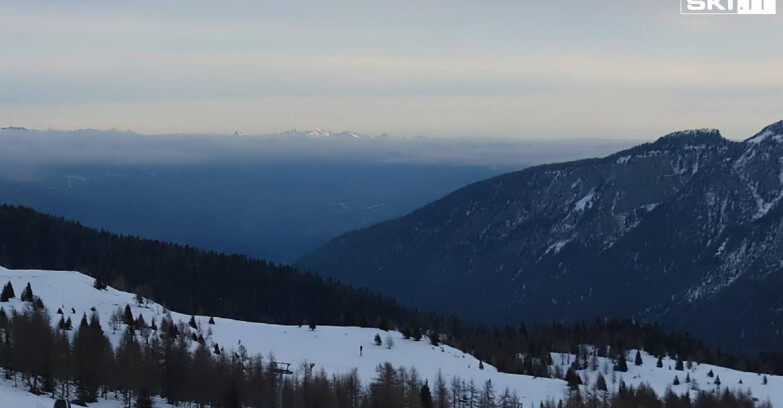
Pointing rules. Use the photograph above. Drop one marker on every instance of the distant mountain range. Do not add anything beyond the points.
(686, 231)
(269, 196)
(326, 133)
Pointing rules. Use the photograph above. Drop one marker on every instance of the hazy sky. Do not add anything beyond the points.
(543, 69)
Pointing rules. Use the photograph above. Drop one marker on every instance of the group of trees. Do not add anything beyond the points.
(167, 362)
(189, 279)
(644, 396)
(526, 349)
(403, 387)
(82, 365)
(49, 360)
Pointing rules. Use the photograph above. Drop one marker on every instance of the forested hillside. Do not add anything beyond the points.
(685, 231)
(186, 278)
(234, 286)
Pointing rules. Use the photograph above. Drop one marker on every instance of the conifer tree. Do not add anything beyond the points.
(211, 320)
(192, 322)
(127, 317)
(143, 399)
(140, 323)
(378, 340)
(99, 284)
(92, 354)
(717, 381)
(710, 374)
(676, 380)
(425, 396)
(679, 366)
(441, 391)
(128, 362)
(27, 293)
(659, 364)
(231, 397)
(173, 331)
(416, 333)
(573, 379)
(638, 359)
(434, 339)
(600, 383)
(406, 333)
(8, 292)
(621, 364)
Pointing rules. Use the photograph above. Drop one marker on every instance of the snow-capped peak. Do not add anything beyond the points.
(318, 133)
(771, 132)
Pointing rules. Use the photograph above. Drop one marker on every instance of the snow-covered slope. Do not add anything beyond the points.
(18, 397)
(335, 349)
(661, 379)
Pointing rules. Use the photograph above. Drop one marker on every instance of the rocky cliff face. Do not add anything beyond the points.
(686, 231)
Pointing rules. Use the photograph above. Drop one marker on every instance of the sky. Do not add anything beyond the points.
(529, 69)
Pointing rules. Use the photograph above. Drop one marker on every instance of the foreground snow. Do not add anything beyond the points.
(662, 379)
(335, 349)
(17, 397)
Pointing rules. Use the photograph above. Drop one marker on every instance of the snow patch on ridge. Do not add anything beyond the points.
(557, 246)
(585, 202)
(765, 135)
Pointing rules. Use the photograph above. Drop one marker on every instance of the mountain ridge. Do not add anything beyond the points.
(636, 233)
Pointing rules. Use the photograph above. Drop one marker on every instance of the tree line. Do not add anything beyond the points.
(644, 396)
(169, 362)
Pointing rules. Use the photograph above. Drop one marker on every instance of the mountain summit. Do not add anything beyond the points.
(686, 231)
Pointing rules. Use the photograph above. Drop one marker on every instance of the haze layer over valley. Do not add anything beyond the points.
(273, 196)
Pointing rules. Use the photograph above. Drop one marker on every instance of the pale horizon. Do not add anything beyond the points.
(632, 70)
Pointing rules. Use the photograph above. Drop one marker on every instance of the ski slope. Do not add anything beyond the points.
(335, 349)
